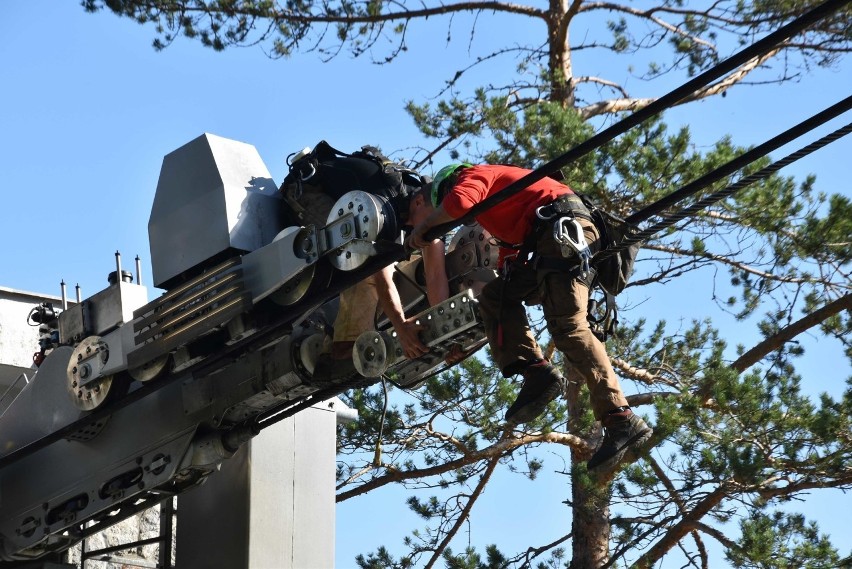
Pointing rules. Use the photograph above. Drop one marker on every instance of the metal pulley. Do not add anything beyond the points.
(150, 369)
(85, 384)
(359, 218)
(486, 252)
(374, 352)
(294, 289)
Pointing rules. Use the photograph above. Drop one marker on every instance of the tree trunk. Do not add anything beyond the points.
(590, 502)
(590, 526)
(561, 73)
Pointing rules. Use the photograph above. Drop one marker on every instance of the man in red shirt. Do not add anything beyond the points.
(547, 278)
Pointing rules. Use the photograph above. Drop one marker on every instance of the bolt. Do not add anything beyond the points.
(366, 219)
(88, 349)
(351, 205)
(360, 207)
(348, 254)
(340, 211)
(85, 371)
(74, 370)
(73, 384)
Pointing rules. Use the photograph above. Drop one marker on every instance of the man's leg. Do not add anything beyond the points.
(565, 302)
(356, 314)
(513, 347)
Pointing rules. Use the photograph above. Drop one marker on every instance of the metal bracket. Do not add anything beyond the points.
(375, 352)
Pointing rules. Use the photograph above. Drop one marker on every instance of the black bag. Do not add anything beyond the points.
(333, 173)
(613, 269)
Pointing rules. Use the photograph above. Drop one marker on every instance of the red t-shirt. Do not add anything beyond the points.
(510, 221)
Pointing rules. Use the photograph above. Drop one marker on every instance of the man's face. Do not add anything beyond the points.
(419, 209)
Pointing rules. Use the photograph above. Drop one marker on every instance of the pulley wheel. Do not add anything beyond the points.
(150, 370)
(87, 389)
(370, 354)
(365, 225)
(294, 289)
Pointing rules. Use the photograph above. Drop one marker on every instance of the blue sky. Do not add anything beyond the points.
(88, 110)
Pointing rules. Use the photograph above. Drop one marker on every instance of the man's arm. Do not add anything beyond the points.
(437, 217)
(435, 268)
(392, 307)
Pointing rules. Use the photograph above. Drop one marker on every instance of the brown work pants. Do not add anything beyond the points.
(564, 300)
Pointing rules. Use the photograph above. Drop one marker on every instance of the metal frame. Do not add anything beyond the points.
(165, 538)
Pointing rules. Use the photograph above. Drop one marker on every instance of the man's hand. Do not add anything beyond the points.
(410, 340)
(416, 239)
(455, 355)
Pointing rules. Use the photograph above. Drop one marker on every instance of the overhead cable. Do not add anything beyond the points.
(670, 99)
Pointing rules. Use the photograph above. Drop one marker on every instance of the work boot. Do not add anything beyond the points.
(329, 370)
(542, 384)
(625, 430)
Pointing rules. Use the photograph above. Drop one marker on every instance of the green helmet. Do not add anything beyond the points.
(442, 176)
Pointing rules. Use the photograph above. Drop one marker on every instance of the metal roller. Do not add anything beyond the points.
(375, 352)
(294, 289)
(366, 224)
(487, 252)
(85, 385)
(151, 369)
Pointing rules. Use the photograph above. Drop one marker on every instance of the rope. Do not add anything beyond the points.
(670, 99)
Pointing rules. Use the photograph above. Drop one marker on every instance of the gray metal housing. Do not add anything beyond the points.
(214, 195)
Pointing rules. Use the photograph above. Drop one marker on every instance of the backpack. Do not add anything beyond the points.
(613, 269)
(327, 173)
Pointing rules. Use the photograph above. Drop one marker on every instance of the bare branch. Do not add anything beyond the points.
(786, 334)
(727, 261)
(465, 513)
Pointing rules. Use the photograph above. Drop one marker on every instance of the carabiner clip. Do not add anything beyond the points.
(568, 232)
(541, 216)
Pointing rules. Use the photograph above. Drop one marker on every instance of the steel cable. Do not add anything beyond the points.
(671, 219)
(670, 99)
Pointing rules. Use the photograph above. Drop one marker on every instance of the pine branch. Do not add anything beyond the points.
(683, 527)
(496, 450)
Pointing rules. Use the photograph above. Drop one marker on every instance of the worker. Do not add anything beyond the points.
(539, 273)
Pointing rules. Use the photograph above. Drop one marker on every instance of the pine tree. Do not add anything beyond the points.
(737, 438)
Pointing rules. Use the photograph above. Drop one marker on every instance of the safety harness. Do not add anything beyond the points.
(561, 218)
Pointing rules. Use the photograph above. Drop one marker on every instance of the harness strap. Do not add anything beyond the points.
(566, 204)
